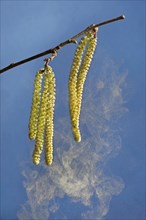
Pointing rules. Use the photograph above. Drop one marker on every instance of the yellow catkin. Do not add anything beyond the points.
(50, 116)
(72, 86)
(35, 105)
(41, 122)
(86, 62)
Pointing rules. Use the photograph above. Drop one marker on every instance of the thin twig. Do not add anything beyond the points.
(49, 59)
(52, 50)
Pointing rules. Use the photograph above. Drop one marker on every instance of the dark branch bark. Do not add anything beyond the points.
(55, 49)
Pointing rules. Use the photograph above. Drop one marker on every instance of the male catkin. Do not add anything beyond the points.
(36, 100)
(50, 116)
(77, 78)
(41, 121)
(85, 65)
(41, 124)
(72, 86)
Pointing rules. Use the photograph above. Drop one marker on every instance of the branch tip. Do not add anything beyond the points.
(123, 17)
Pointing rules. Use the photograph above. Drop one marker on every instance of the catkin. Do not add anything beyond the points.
(41, 122)
(77, 79)
(86, 62)
(72, 86)
(50, 116)
(33, 121)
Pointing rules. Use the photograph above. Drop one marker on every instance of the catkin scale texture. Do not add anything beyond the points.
(77, 78)
(72, 86)
(35, 105)
(41, 121)
(83, 72)
(50, 117)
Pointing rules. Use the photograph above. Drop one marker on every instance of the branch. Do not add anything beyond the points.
(55, 49)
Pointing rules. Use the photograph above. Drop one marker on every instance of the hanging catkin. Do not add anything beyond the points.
(77, 78)
(41, 121)
(85, 65)
(33, 121)
(72, 86)
(50, 116)
(41, 124)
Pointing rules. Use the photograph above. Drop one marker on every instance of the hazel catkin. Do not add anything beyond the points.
(41, 123)
(77, 78)
(49, 130)
(72, 86)
(86, 62)
(33, 121)
(41, 120)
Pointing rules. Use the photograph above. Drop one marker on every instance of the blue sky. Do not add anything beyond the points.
(104, 175)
